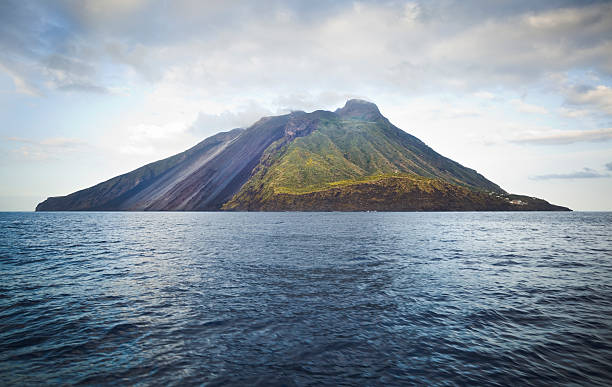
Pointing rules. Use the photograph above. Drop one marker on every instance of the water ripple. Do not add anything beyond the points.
(306, 299)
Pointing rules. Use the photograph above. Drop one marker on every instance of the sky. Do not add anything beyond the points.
(521, 91)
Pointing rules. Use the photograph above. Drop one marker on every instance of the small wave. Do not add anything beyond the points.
(507, 262)
(122, 329)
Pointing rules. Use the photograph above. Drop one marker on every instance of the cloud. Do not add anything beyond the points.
(45, 149)
(106, 10)
(84, 87)
(58, 142)
(524, 107)
(574, 113)
(566, 137)
(484, 95)
(289, 47)
(312, 101)
(529, 45)
(70, 74)
(150, 139)
(43, 48)
(135, 57)
(458, 112)
(609, 166)
(599, 97)
(245, 116)
(586, 173)
(21, 85)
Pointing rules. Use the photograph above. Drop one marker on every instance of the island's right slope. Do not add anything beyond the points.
(354, 159)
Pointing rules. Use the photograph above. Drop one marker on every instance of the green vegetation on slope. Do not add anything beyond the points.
(342, 152)
(394, 193)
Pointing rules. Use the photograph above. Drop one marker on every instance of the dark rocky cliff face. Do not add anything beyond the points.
(352, 159)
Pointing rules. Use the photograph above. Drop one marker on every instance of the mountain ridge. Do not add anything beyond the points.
(302, 161)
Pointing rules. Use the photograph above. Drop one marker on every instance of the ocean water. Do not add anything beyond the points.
(306, 298)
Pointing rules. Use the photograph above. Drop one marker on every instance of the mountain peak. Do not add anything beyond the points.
(358, 108)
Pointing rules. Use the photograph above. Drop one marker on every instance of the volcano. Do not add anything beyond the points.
(352, 159)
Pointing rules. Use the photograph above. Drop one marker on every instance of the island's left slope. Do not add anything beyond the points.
(201, 178)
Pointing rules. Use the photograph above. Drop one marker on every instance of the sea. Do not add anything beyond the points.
(305, 299)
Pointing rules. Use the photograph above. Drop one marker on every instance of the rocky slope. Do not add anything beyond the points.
(352, 159)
